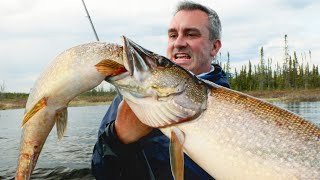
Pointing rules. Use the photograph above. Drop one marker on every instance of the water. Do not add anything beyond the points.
(68, 159)
(308, 110)
(71, 158)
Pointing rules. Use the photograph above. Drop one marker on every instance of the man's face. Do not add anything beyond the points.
(188, 41)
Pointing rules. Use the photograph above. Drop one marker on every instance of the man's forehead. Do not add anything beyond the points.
(191, 14)
(189, 20)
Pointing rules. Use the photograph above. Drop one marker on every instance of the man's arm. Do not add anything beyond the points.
(120, 159)
(128, 127)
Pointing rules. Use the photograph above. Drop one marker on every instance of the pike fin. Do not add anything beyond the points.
(110, 68)
(161, 115)
(61, 121)
(39, 105)
(176, 153)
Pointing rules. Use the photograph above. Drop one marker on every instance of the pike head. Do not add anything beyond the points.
(159, 91)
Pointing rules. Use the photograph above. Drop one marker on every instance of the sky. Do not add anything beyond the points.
(33, 32)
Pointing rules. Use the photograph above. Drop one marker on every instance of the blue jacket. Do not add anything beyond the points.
(147, 158)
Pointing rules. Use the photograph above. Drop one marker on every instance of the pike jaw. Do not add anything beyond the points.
(159, 91)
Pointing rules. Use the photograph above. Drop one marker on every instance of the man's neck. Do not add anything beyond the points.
(211, 69)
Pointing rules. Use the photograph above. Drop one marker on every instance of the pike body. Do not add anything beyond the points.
(241, 137)
(74, 71)
(229, 134)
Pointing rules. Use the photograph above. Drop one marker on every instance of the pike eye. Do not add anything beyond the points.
(164, 61)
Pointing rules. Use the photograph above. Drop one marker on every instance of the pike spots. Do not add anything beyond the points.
(28, 158)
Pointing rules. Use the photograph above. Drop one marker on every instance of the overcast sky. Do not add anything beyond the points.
(33, 32)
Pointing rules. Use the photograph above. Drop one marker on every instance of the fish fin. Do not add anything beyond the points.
(39, 105)
(61, 121)
(160, 115)
(176, 153)
(110, 68)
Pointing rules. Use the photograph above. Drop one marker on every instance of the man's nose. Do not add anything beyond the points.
(180, 42)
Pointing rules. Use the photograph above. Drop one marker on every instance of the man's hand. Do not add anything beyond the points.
(127, 125)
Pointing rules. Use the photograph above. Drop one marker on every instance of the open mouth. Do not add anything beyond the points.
(138, 58)
(180, 56)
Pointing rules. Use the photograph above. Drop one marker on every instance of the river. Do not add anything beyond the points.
(71, 157)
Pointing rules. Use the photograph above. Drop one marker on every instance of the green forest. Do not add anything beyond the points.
(291, 74)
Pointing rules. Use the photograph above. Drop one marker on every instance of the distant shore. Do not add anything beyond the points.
(293, 95)
(19, 101)
(299, 95)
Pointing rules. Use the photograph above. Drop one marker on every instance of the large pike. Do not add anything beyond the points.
(74, 71)
(229, 134)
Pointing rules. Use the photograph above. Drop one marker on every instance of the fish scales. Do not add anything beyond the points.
(72, 72)
(70, 62)
(229, 134)
(246, 139)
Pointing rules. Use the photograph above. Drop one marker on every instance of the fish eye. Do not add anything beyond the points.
(165, 62)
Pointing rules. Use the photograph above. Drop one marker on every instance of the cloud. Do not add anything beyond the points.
(295, 4)
(33, 32)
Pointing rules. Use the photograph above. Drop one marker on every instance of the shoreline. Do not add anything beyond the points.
(287, 96)
(294, 95)
(19, 101)
(8, 106)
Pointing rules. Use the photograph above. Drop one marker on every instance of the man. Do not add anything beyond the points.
(129, 149)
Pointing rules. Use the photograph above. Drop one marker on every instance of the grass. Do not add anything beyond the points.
(18, 100)
(93, 98)
(13, 100)
(293, 95)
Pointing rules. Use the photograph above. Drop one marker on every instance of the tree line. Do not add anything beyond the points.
(293, 73)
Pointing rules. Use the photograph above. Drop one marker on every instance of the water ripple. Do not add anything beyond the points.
(70, 158)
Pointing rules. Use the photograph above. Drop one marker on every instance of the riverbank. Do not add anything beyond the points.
(18, 100)
(294, 95)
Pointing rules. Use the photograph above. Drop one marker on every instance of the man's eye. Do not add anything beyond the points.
(191, 34)
(172, 35)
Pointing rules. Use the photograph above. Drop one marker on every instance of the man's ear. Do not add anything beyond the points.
(216, 47)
